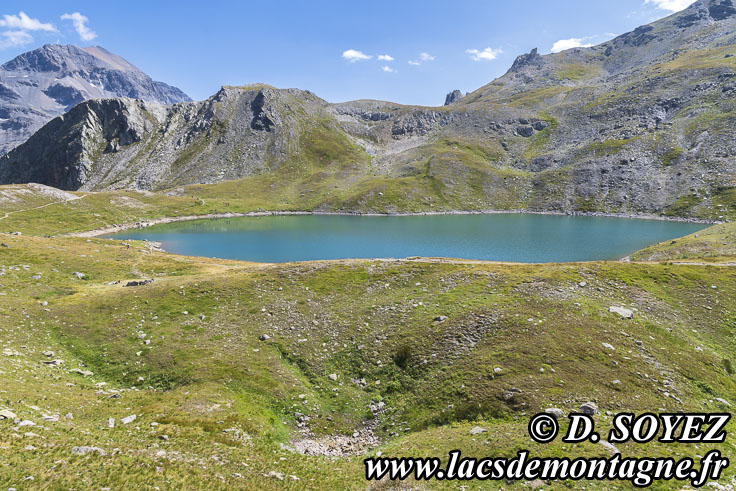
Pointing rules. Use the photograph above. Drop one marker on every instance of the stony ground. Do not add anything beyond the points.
(274, 376)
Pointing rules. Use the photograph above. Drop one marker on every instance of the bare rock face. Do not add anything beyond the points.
(721, 9)
(44, 83)
(63, 153)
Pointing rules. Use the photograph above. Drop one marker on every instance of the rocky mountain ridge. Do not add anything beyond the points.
(41, 84)
(640, 124)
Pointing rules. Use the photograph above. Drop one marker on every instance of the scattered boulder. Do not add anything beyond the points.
(440, 318)
(275, 475)
(608, 346)
(84, 450)
(512, 392)
(138, 283)
(525, 131)
(128, 419)
(478, 430)
(610, 447)
(555, 412)
(53, 363)
(539, 126)
(7, 414)
(84, 373)
(264, 337)
(589, 408)
(723, 401)
(623, 312)
(79, 275)
(332, 376)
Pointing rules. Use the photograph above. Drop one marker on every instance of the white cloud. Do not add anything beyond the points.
(17, 29)
(11, 39)
(22, 22)
(671, 5)
(388, 69)
(385, 57)
(487, 54)
(422, 58)
(564, 44)
(80, 25)
(353, 55)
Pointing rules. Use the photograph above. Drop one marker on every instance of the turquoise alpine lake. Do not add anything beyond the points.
(526, 238)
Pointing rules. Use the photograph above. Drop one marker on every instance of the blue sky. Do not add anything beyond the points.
(329, 47)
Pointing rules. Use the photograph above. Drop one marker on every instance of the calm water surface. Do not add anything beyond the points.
(497, 237)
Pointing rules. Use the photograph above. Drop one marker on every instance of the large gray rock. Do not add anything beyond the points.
(589, 408)
(622, 311)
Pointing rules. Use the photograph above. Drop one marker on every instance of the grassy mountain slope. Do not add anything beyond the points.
(712, 244)
(216, 404)
(640, 124)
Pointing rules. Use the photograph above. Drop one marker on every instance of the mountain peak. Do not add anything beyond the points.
(47, 58)
(68, 58)
(43, 83)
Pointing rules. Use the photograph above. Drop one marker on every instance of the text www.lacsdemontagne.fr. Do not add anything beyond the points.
(641, 472)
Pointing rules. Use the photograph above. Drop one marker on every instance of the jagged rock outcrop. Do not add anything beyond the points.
(454, 96)
(531, 59)
(41, 84)
(641, 123)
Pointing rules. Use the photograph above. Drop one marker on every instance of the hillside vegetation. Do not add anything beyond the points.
(234, 370)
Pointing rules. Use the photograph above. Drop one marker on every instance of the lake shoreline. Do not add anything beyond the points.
(210, 216)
